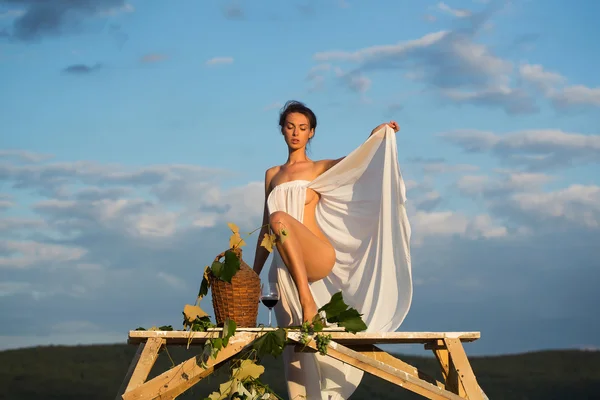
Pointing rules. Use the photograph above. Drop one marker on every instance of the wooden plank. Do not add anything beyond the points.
(132, 366)
(442, 356)
(378, 354)
(435, 344)
(145, 363)
(461, 365)
(448, 371)
(198, 338)
(178, 379)
(382, 370)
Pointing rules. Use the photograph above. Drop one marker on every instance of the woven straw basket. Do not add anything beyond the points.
(239, 299)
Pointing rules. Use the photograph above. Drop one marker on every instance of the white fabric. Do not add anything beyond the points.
(362, 213)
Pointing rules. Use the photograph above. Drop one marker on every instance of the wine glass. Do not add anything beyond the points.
(269, 296)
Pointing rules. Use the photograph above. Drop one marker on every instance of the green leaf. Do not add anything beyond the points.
(229, 327)
(351, 320)
(335, 306)
(140, 329)
(317, 324)
(201, 324)
(203, 357)
(217, 269)
(231, 266)
(217, 345)
(270, 343)
(203, 287)
(165, 328)
(347, 317)
(283, 235)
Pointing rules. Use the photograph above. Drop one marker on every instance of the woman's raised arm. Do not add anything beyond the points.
(327, 164)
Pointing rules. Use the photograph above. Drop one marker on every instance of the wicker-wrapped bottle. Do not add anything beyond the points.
(239, 299)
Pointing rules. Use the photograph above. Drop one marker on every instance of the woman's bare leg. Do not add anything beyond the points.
(306, 256)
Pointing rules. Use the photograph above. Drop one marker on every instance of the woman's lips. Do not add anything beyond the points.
(294, 141)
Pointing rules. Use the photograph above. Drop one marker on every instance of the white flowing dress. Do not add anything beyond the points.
(362, 212)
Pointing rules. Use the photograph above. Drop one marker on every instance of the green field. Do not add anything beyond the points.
(96, 372)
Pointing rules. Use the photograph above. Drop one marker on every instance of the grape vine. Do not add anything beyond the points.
(244, 382)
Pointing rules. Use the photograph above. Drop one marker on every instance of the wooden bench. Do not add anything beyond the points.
(359, 350)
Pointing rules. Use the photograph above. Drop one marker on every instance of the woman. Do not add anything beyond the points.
(306, 252)
(341, 226)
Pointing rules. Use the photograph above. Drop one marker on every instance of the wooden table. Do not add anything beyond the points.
(359, 350)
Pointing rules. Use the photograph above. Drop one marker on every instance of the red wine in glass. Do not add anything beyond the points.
(270, 302)
(270, 296)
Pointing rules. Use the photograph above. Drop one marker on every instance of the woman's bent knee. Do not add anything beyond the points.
(277, 220)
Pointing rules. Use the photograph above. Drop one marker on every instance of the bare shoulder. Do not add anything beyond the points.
(269, 174)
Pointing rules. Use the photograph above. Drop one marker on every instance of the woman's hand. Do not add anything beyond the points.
(394, 125)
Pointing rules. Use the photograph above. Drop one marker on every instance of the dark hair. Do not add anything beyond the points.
(293, 106)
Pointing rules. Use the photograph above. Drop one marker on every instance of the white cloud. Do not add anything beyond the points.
(13, 225)
(433, 52)
(113, 11)
(55, 178)
(484, 226)
(472, 184)
(428, 225)
(23, 254)
(575, 205)
(354, 81)
(508, 182)
(157, 224)
(369, 53)
(273, 106)
(512, 100)
(553, 86)
(445, 168)
(538, 76)
(318, 68)
(316, 76)
(110, 236)
(172, 280)
(521, 198)
(532, 148)
(6, 204)
(10, 14)
(25, 156)
(12, 288)
(577, 95)
(153, 58)
(459, 13)
(220, 61)
(428, 200)
(461, 70)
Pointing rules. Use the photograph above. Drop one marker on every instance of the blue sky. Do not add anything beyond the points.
(133, 131)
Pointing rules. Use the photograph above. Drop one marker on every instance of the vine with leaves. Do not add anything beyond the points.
(244, 382)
